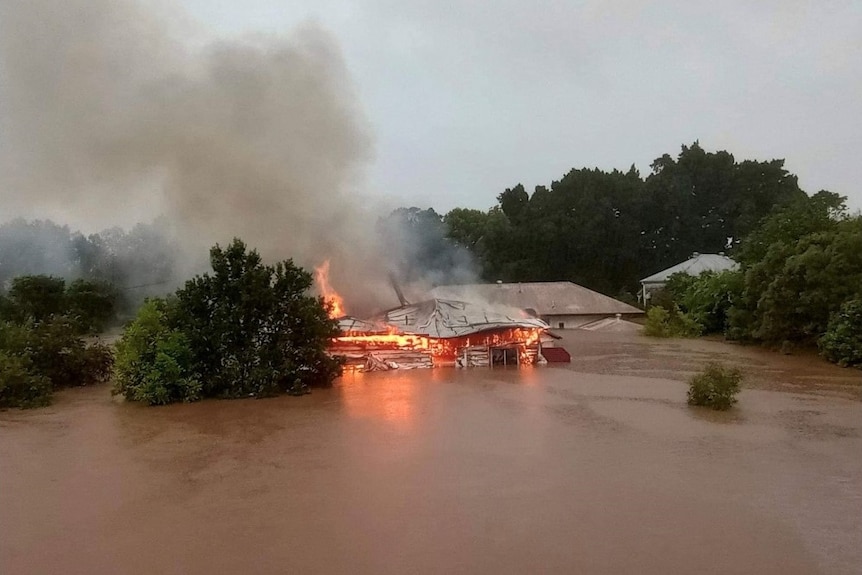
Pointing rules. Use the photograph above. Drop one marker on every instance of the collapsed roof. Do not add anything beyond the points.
(443, 318)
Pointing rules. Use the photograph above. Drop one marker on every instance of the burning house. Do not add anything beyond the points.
(432, 333)
(439, 332)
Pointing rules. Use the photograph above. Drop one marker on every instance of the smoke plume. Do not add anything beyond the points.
(109, 116)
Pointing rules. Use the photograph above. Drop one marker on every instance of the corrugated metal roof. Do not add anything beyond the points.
(441, 318)
(694, 266)
(545, 298)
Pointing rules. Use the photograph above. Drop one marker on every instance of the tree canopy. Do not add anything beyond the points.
(245, 330)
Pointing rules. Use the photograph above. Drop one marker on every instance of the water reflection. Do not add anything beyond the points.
(388, 397)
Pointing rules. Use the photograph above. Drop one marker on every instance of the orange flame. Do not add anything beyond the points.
(335, 301)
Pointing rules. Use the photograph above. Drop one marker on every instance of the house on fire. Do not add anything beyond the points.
(562, 305)
(440, 332)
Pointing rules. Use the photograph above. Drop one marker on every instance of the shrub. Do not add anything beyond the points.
(842, 342)
(38, 358)
(716, 387)
(19, 385)
(663, 323)
(61, 355)
(154, 361)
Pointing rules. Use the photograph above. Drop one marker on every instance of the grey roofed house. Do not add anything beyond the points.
(693, 266)
(442, 318)
(562, 304)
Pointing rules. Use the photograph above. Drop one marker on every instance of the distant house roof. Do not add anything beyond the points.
(543, 298)
(441, 318)
(694, 266)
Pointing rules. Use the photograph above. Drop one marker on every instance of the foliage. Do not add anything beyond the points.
(247, 329)
(37, 297)
(708, 297)
(58, 352)
(154, 361)
(788, 223)
(20, 386)
(606, 230)
(140, 261)
(716, 387)
(842, 342)
(792, 292)
(42, 357)
(661, 322)
(91, 304)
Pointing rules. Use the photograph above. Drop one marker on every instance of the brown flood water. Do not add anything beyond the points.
(598, 467)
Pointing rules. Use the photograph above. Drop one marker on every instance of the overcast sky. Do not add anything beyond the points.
(467, 98)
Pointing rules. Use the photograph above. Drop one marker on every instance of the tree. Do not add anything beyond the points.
(90, 304)
(37, 297)
(842, 342)
(154, 361)
(706, 201)
(796, 288)
(708, 297)
(251, 328)
(37, 358)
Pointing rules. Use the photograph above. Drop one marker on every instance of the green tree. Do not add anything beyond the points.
(154, 361)
(842, 342)
(706, 201)
(90, 304)
(708, 297)
(796, 288)
(251, 329)
(37, 297)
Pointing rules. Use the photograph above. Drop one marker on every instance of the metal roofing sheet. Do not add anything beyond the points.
(694, 266)
(545, 298)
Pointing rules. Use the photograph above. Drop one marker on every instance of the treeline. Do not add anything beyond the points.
(607, 230)
(245, 330)
(799, 283)
(137, 263)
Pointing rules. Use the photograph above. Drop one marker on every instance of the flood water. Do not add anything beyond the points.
(597, 467)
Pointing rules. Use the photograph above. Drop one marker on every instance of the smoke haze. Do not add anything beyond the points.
(108, 117)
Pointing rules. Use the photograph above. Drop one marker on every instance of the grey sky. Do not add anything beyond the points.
(466, 98)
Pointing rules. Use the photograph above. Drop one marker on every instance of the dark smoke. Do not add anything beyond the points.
(108, 117)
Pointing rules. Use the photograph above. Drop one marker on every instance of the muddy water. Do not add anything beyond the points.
(599, 467)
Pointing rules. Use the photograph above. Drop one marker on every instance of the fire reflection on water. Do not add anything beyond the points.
(397, 406)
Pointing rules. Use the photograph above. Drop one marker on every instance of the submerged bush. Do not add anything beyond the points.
(153, 360)
(716, 387)
(19, 385)
(842, 342)
(663, 323)
(38, 358)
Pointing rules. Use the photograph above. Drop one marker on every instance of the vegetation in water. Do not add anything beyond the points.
(715, 387)
(246, 330)
(42, 324)
(842, 342)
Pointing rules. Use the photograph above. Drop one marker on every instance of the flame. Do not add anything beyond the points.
(335, 301)
(440, 350)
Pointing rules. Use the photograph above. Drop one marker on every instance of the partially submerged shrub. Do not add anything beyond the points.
(842, 342)
(38, 358)
(716, 387)
(154, 361)
(661, 322)
(19, 385)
